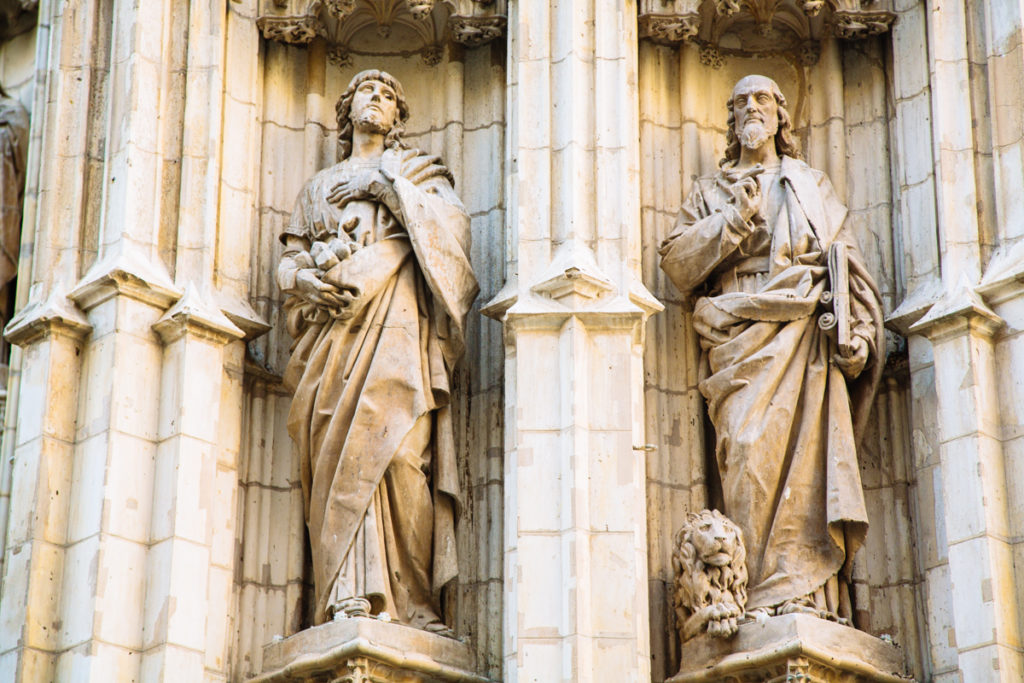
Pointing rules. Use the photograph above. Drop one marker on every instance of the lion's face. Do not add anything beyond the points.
(715, 538)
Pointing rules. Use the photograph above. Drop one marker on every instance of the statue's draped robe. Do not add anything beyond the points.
(371, 413)
(787, 420)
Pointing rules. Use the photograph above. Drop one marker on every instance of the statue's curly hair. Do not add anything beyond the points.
(785, 143)
(343, 109)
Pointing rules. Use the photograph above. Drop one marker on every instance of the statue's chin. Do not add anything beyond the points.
(754, 135)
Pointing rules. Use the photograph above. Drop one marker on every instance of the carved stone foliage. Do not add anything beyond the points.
(414, 26)
(759, 27)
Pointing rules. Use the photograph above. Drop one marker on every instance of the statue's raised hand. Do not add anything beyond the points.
(746, 196)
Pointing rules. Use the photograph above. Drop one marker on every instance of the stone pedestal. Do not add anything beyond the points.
(364, 650)
(792, 647)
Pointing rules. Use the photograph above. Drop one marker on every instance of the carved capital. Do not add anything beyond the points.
(295, 30)
(669, 29)
(474, 31)
(859, 24)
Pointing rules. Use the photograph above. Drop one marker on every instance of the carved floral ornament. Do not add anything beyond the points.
(422, 26)
(761, 26)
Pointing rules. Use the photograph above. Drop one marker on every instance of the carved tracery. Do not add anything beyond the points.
(762, 26)
(425, 26)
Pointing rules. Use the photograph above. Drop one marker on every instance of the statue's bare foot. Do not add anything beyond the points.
(440, 628)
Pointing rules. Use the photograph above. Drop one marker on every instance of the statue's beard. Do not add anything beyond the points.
(369, 122)
(754, 135)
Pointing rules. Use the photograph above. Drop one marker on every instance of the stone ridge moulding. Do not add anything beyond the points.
(422, 26)
(362, 649)
(752, 27)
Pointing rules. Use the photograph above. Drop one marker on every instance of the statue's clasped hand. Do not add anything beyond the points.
(364, 186)
(310, 280)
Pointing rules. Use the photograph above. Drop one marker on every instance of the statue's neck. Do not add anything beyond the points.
(366, 145)
(764, 155)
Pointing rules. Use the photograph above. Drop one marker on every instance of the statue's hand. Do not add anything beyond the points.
(362, 186)
(853, 364)
(746, 197)
(316, 291)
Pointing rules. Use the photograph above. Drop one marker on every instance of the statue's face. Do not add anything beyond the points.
(374, 107)
(756, 111)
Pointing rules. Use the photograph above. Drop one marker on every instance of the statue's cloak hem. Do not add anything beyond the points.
(766, 356)
(360, 385)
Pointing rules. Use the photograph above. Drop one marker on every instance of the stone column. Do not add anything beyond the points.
(574, 309)
(122, 564)
(964, 332)
(985, 600)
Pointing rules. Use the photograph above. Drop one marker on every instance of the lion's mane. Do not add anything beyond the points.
(699, 585)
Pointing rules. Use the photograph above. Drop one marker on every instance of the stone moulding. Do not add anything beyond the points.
(361, 650)
(791, 647)
(760, 27)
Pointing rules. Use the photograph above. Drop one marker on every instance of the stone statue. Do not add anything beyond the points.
(378, 283)
(13, 145)
(710, 562)
(790, 326)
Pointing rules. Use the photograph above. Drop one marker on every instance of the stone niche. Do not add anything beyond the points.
(308, 52)
(836, 91)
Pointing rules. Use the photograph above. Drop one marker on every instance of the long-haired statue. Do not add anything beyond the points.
(378, 284)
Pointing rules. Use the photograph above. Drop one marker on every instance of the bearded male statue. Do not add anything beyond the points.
(378, 283)
(761, 245)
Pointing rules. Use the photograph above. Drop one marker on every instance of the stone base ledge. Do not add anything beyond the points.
(365, 650)
(791, 647)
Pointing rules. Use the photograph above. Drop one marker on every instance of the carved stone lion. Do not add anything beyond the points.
(711, 575)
